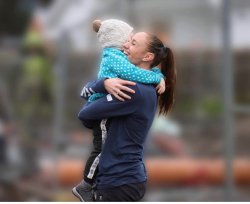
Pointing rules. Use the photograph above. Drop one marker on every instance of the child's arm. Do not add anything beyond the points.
(86, 92)
(157, 70)
(125, 70)
(91, 88)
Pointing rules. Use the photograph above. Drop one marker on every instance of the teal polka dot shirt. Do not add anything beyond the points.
(115, 64)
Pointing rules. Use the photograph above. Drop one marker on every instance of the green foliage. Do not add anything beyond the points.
(211, 106)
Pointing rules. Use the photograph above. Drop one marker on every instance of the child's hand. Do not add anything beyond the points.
(161, 86)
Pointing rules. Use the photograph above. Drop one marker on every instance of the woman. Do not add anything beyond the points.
(112, 34)
(122, 175)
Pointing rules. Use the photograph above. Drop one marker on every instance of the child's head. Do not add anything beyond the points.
(112, 32)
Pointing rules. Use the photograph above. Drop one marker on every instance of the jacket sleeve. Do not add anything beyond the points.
(96, 86)
(109, 106)
(125, 70)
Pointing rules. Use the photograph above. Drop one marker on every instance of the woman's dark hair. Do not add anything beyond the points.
(165, 57)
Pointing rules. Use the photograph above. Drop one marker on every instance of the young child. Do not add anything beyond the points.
(112, 34)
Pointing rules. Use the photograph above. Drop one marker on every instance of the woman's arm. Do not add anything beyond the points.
(109, 106)
(114, 86)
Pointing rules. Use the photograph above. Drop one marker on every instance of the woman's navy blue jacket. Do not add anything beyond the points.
(121, 160)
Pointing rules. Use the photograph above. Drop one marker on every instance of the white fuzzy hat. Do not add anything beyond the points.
(113, 33)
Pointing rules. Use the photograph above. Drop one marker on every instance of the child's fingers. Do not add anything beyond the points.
(157, 87)
(161, 90)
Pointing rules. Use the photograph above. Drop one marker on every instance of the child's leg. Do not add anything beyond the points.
(91, 166)
(83, 190)
(100, 133)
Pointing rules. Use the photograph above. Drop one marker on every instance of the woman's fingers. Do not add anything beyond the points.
(125, 82)
(125, 88)
(119, 94)
(118, 88)
(122, 94)
(118, 97)
(121, 90)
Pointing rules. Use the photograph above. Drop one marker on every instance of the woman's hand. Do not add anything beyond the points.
(116, 87)
(161, 86)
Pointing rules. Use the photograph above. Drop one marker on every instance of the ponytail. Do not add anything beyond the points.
(166, 100)
(165, 57)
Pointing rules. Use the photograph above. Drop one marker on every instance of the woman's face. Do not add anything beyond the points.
(136, 48)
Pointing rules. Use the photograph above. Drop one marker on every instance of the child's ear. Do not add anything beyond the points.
(96, 25)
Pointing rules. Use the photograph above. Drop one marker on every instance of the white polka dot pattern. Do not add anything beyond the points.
(115, 64)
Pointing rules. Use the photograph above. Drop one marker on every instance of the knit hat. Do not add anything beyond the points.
(113, 33)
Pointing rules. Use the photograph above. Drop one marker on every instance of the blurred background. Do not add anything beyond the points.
(49, 51)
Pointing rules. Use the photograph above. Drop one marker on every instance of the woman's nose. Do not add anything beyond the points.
(125, 45)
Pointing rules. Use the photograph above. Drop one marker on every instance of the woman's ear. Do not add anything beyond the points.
(96, 25)
(149, 56)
